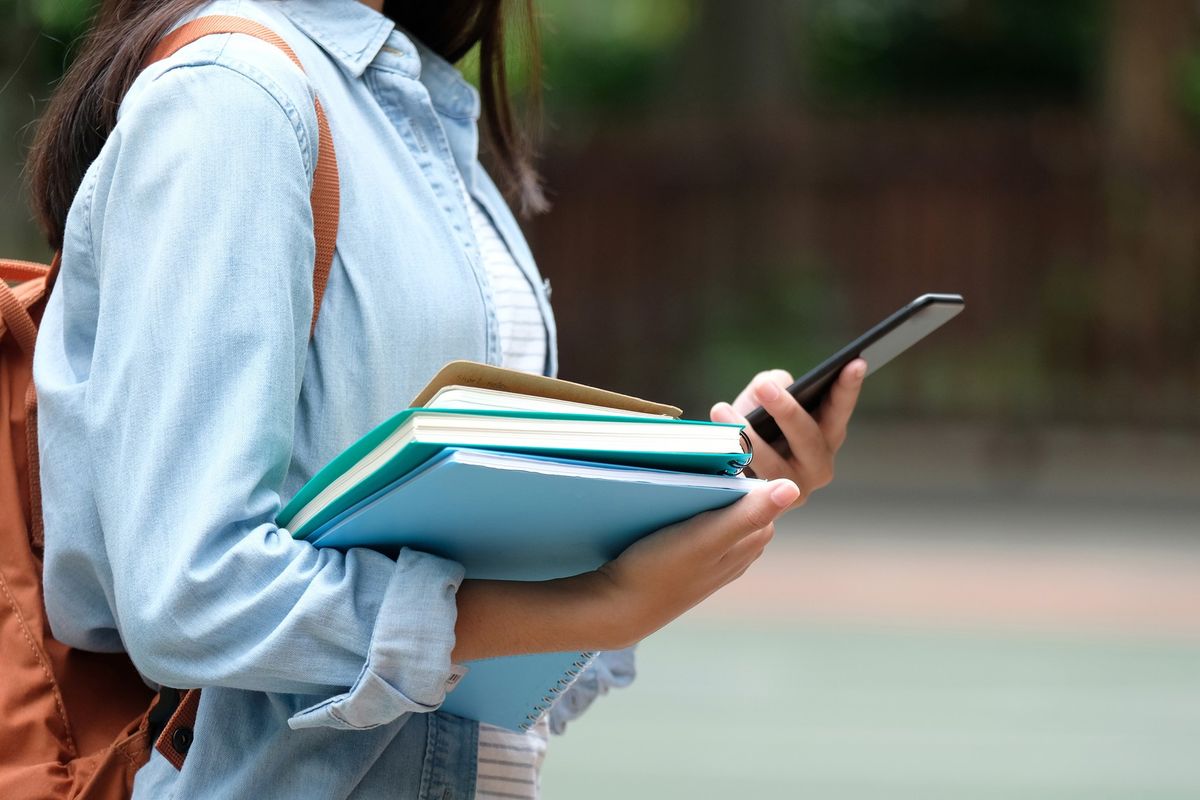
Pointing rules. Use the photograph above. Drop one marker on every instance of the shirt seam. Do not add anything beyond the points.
(273, 90)
(89, 208)
(255, 76)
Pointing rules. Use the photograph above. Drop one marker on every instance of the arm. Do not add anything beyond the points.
(202, 234)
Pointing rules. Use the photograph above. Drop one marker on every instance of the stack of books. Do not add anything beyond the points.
(519, 477)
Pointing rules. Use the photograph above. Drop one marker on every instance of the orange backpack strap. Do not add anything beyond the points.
(326, 190)
(30, 282)
(15, 301)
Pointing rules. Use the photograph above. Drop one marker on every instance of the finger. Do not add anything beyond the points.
(745, 402)
(767, 462)
(811, 461)
(722, 412)
(797, 425)
(732, 573)
(749, 547)
(833, 417)
(741, 570)
(753, 512)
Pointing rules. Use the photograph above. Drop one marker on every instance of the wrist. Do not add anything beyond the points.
(606, 611)
(500, 618)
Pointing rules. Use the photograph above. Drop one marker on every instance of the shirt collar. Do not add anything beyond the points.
(353, 35)
(350, 31)
(449, 91)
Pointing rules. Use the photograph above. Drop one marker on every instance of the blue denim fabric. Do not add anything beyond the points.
(182, 402)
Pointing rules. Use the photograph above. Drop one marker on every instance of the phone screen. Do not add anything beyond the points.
(878, 346)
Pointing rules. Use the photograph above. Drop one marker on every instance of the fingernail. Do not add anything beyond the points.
(785, 494)
(860, 371)
(766, 392)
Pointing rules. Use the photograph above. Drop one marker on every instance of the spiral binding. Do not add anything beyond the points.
(566, 680)
(737, 467)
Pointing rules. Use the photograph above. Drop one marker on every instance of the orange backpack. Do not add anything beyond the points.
(75, 724)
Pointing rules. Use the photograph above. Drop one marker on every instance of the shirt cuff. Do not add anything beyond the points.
(611, 669)
(408, 663)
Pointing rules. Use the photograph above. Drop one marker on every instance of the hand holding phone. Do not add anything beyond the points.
(877, 346)
(818, 438)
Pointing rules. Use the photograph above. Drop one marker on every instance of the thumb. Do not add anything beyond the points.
(758, 509)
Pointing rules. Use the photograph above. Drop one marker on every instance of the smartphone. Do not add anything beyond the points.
(878, 346)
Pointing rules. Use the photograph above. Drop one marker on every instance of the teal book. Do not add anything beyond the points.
(515, 516)
(413, 436)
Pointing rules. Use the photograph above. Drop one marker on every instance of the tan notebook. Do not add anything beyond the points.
(485, 376)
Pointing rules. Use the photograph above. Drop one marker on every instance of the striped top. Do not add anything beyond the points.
(509, 763)
(522, 329)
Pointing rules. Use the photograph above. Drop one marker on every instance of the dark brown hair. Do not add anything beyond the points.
(83, 110)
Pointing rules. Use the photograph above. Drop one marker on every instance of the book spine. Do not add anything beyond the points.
(570, 676)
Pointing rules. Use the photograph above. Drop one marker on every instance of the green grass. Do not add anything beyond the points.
(768, 710)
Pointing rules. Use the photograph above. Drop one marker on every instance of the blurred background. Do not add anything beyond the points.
(1000, 594)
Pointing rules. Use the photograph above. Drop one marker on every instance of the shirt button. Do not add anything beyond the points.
(181, 740)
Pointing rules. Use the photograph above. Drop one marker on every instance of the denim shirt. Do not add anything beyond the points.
(181, 401)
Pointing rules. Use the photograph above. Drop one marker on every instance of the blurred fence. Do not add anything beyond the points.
(687, 255)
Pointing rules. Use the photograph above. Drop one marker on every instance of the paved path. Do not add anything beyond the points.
(985, 564)
(960, 616)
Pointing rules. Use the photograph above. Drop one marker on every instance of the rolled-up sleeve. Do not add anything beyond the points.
(201, 230)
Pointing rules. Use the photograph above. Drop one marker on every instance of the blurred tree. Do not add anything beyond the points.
(738, 57)
(1150, 278)
(21, 81)
(35, 38)
(63, 16)
(611, 59)
(965, 52)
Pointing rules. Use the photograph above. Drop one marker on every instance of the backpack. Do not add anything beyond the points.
(75, 724)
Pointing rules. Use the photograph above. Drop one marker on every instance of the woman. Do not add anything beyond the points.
(182, 401)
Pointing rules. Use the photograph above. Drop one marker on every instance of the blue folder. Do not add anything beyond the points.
(521, 517)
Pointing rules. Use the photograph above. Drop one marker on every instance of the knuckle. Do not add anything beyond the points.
(758, 516)
(754, 519)
(824, 476)
(788, 409)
